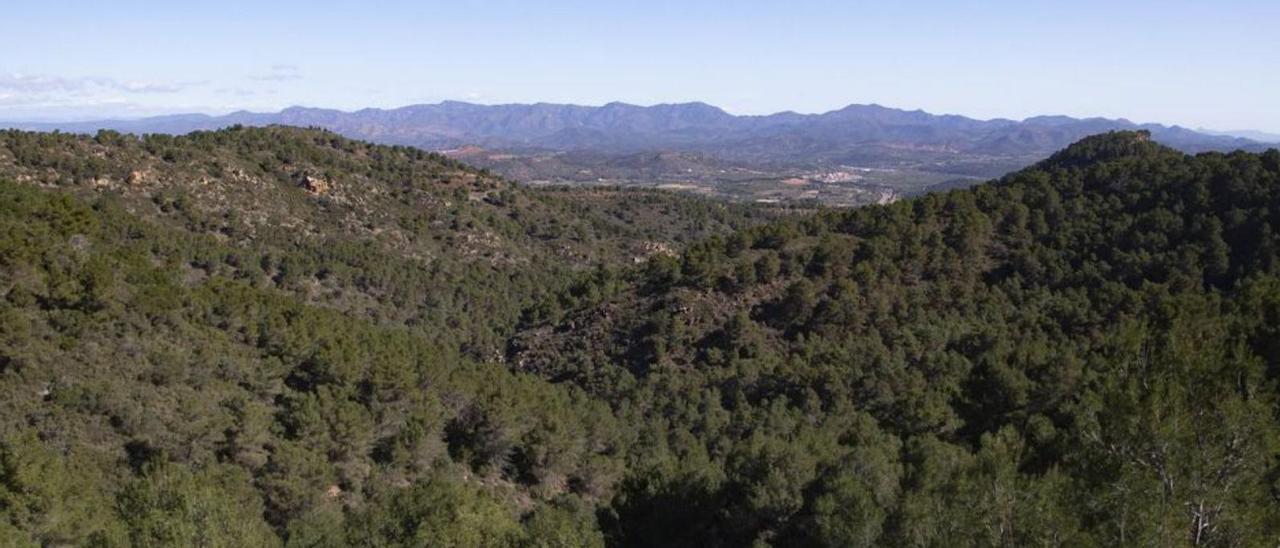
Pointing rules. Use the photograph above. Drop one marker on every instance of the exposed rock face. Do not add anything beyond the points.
(140, 177)
(651, 249)
(314, 185)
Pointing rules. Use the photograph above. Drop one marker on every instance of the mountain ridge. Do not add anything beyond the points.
(855, 155)
(507, 124)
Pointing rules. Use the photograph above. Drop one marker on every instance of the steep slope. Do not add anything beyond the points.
(146, 406)
(249, 335)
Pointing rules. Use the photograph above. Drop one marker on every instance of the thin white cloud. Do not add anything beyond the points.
(20, 84)
(155, 87)
(24, 89)
(278, 73)
(244, 92)
(239, 92)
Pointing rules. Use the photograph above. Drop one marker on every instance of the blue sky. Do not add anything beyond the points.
(1211, 64)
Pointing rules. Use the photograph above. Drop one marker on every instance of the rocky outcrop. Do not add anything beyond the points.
(315, 185)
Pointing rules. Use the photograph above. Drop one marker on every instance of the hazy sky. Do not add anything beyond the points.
(1196, 63)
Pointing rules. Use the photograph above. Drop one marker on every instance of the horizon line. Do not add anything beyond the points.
(215, 112)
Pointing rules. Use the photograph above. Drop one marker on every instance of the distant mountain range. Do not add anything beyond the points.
(621, 127)
(1260, 136)
(623, 143)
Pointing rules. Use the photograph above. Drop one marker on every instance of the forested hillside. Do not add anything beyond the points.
(236, 336)
(392, 234)
(283, 337)
(1081, 353)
